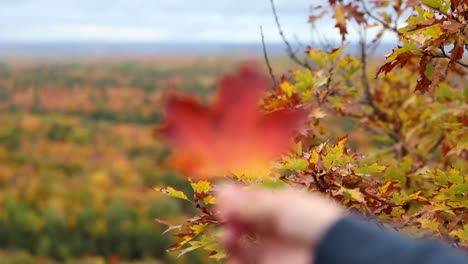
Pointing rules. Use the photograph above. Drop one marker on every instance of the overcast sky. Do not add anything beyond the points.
(154, 20)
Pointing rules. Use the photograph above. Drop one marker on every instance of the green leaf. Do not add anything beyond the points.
(440, 177)
(462, 234)
(352, 194)
(454, 176)
(442, 5)
(304, 79)
(406, 164)
(334, 153)
(298, 148)
(395, 173)
(318, 56)
(336, 102)
(458, 189)
(429, 224)
(369, 169)
(296, 164)
(272, 184)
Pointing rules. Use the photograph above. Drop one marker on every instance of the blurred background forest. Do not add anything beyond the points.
(78, 158)
(80, 96)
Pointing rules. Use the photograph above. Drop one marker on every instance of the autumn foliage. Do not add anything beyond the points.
(410, 113)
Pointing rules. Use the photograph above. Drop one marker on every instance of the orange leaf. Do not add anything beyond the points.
(231, 133)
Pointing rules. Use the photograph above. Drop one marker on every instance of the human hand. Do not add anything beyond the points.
(273, 226)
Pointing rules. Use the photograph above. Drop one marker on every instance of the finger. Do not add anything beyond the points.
(246, 205)
(296, 215)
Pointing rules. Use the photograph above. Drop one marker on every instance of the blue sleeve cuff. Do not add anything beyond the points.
(351, 241)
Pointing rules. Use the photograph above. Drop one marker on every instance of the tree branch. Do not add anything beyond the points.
(376, 18)
(365, 81)
(445, 55)
(437, 143)
(395, 29)
(289, 49)
(267, 61)
(367, 90)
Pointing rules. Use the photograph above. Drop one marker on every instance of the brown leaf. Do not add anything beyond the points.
(170, 226)
(457, 51)
(423, 82)
(313, 18)
(400, 61)
(425, 24)
(452, 25)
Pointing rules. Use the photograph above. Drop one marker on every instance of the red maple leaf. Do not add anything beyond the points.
(230, 134)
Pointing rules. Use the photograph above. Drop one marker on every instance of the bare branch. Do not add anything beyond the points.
(395, 29)
(376, 18)
(445, 55)
(437, 143)
(369, 100)
(289, 49)
(365, 80)
(325, 44)
(267, 61)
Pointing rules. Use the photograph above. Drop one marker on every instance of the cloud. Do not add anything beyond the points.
(155, 20)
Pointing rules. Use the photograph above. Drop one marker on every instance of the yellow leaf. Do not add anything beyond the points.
(194, 231)
(201, 186)
(339, 15)
(210, 199)
(384, 188)
(318, 56)
(428, 224)
(169, 191)
(462, 234)
(287, 88)
(197, 229)
(335, 53)
(314, 157)
(355, 195)
(416, 196)
(298, 148)
(334, 153)
(352, 194)
(398, 212)
(318, 113)
(252, 175)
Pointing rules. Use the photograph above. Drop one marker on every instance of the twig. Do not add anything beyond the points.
(367, 90)
(267, 61)
(411, 218)
(376, 18)
(445, 55)
(325, 44)
(289, 49)
(395, 29)
(438, 142)
(300, 45)
(365, 81)
(380, 199)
